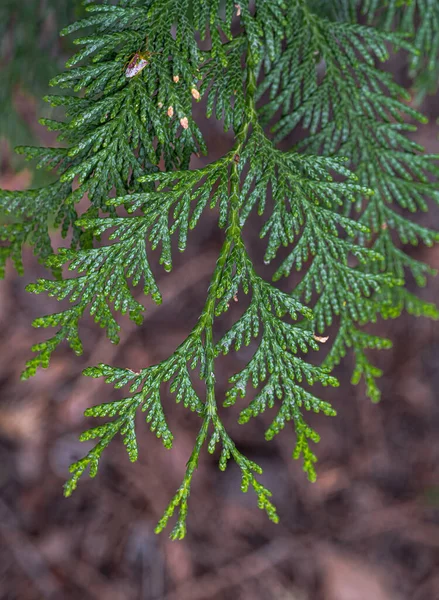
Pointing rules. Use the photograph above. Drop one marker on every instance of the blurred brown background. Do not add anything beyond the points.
(367, 530)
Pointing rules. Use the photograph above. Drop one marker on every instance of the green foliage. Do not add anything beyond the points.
(418, 19)
(339, 201)
(24, 27)
(354, 109)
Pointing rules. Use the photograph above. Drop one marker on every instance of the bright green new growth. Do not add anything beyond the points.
(333, 200)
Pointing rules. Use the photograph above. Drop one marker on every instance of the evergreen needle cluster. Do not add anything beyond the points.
(417, 18)
(340, 201)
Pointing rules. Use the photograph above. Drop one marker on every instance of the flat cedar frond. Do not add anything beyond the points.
(353, 109)
(419, 19)
(340, 202)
